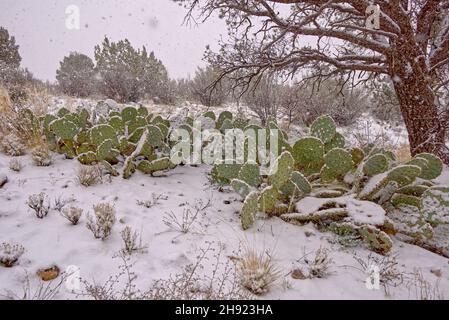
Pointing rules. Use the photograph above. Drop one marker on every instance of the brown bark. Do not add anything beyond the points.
(426, 132)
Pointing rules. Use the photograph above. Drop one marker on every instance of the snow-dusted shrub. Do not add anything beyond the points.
(40, 204)
(89, 175)
(41, 156)
(103, 221)
(193, 282)
(15, 165)
(73, 214)
(257, 272)
(10, 254)
(319, 265)
(12, 146)
(389, 273)
(130, 242)
(59, 203)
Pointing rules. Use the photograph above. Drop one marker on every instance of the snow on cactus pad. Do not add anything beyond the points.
(365, 212)
(435, 204)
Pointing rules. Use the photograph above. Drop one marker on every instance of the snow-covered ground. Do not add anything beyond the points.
(53, 241)
(415, 273)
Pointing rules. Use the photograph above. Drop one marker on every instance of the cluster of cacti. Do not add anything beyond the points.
(130, 137)
(320, 166)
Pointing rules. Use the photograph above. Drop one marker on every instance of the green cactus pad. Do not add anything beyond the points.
(375, 164)
(249, 210)
(226, 172)
(399, 200)
(241, 187)
(222, 117)
(210, 114)
(434, 166)
(337, 142)
(155, 136)
(339, 161)
(142, 112)
(416, 191)
(281, 170)
(324, 128)
(103, 132)
(308, 151)
(87, 158)
(250, 173)
(268, 199)
(357, 155)
(161, 164)
(64, 129)
(129, 114)
(378, 241)
(104, 150)
(435, 205)
(327, 175)
(404, 175)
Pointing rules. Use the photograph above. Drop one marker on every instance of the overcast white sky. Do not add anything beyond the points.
(40, 29)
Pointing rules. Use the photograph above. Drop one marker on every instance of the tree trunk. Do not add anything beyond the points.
(426, 132)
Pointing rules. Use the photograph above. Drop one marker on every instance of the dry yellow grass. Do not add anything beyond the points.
(403, 153)
(5, 101)
(37, 99)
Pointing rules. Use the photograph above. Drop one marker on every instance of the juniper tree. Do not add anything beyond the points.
(411, 47)
(76, 75)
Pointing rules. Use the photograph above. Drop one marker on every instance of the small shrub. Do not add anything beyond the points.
(39, 203)
(42, 156)
(319, 266)
(129, 238)
(103, 221)
(73, 214)
(89, 175)
(257, 272)
(153, 202)
(10, 254)
(60, 203)
(12, 146)
(15, 165)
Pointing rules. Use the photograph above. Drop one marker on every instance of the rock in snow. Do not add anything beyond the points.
(3, 179)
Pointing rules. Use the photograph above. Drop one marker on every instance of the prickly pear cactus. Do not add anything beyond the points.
(222, 117)
(435, 205)
(308, 151)
(378, 241)
(210, 114)
(339, 161)
(338, 141)
(324, 128)
(268, 199)
(375, 164)
(224, 173)
(282, 170)
(249, 210)
(250, 173)
(64, 129)
(431, 166)
(102, 132)
(241, 187)
(154, 166)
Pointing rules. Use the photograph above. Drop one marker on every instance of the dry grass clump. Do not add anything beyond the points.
(20, 130)
(38, 99)
(256, 271)
(5, 101)
(89, 175)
